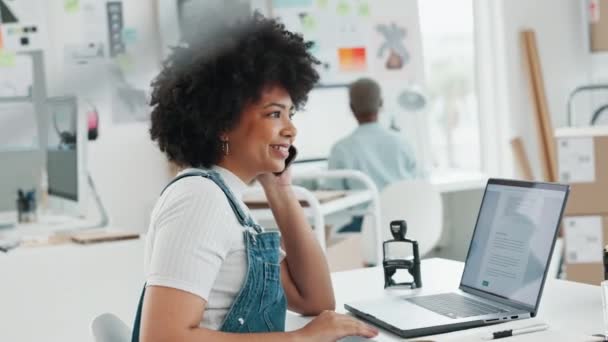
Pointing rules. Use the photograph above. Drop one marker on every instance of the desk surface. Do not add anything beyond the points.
(572, 310)
(53, 293)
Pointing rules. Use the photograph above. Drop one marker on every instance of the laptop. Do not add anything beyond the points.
(505, 268)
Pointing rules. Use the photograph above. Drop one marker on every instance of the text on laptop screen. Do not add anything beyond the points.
(512, 241)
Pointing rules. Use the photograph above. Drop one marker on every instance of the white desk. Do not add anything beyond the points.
(574, 309)
(53, 293)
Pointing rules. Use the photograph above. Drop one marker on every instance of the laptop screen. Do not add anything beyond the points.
(510, 248)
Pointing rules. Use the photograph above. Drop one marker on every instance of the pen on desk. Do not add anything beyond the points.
(518, 331)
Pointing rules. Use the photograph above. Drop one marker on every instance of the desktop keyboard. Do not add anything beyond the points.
(453, 305)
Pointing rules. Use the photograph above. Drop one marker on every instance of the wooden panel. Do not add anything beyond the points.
(543, 119)
(521, 159)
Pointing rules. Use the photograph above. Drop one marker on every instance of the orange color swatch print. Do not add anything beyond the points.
(352, 59)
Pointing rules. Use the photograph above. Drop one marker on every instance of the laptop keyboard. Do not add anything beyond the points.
(453, 305)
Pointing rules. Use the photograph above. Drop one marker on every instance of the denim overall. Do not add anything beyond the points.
(260, 305)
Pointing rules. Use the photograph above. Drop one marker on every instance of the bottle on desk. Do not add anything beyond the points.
(604, 288)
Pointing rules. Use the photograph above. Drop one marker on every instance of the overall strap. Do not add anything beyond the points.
(243, 218)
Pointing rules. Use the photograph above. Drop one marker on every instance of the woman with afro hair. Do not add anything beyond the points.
(222, 112)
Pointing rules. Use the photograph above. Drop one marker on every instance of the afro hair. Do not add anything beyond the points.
(206, 82)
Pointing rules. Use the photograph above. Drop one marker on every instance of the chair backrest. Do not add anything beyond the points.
(108, 327)
(419, 204)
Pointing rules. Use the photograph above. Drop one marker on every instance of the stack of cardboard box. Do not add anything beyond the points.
(583, 163)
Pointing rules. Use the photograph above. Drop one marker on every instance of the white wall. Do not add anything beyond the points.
(130, 171)
(599, 65)
(325, 119)
(565, 64)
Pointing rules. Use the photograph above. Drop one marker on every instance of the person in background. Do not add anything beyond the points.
(383, 155)
(222, 111)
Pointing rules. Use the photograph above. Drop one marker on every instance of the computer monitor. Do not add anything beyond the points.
(65, 156)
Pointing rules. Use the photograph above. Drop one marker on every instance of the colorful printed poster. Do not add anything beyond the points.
(358, 38)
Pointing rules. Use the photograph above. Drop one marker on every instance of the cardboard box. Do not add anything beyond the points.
(582, 156)
(592, 274)
(584, 240)
(598, 25)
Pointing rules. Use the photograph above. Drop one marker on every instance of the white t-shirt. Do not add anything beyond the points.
(195, 243)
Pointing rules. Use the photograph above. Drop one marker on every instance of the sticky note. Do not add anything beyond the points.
(125, 62)
(7, 59)
(71, 6)
(343, 8)
(308, 22)
(364, 9)
(129, 35)
(352, 59)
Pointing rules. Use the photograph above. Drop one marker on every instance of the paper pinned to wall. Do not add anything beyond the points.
(584, 239)
(78, 54)
(24, 25)
(93, 23)
(16, 76)
(363, 38)
(576, 160)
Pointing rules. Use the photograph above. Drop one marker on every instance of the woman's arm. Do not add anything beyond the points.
(304, 272)
(171, 315)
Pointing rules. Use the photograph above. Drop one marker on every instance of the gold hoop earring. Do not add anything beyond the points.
(225, 147)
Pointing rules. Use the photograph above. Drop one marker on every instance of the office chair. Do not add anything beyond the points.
(108, 327)
(419, 204)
